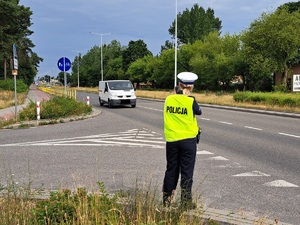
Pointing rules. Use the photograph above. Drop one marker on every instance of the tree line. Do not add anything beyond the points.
(223, 62)
(15, 21)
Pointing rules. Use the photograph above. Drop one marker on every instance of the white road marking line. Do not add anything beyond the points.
(253, 128)
(218, 158)
(252, 174)
(232, 165)
(151, 109)
(204, 118)
(289, 135)
(135, 137)
(280, 183)
(204, 153)
(225, 122)
(104, 143)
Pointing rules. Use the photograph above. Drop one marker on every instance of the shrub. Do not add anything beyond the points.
(280, 88)
(79, 207)
(240, 96)
(9, 85)
(275, 98)
(57, 107)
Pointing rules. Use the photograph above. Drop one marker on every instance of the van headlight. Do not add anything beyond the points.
(132, 94)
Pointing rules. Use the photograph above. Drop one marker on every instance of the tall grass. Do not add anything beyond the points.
(7, 98)
(138, 206)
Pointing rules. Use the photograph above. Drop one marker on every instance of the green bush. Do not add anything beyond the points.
(280, 88)
(9, 85)
(240, 96)
(57, 107)
(274, 98)
(65, 207)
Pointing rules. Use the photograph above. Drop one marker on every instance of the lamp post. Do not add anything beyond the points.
(175, 70)
(77, 67)
(101, 51)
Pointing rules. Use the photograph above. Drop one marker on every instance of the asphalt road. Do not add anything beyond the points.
(246, 162)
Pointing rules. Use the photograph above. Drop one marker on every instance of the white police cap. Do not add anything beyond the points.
(187, 77)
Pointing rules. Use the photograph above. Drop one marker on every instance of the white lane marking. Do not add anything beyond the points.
(204, 153)
(103, 143)
(225, 122)
(130, 138)
(253, 128)
(204, 118)
(289, 135)
(280, 183)
(218, 158)
(151, 108)
(232, 165)
(252, 174)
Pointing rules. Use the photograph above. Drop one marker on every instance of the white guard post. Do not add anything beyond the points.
(38, 110)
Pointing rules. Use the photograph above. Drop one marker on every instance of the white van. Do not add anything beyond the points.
(116, 92)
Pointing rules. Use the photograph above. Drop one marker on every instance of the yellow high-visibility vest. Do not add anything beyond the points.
(179, 120)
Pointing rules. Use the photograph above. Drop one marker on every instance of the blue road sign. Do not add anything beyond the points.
(64, 64)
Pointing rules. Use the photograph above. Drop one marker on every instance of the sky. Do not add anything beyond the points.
(62, 28)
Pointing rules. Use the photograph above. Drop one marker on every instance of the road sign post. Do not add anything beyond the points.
(15, 73)
(64, 64)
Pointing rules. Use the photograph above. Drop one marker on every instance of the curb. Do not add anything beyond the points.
(223, 217)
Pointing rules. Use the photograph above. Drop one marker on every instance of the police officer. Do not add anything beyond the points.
(180, 130)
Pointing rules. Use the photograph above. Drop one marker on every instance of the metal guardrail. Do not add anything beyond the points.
(59, 92)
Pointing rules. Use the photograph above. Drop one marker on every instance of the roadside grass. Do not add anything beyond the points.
(139, 206)
(7, 98)
(51, 110)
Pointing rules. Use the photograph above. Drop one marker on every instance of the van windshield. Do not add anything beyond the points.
(120, 85)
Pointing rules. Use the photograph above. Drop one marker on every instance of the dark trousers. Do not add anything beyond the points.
(181, 157)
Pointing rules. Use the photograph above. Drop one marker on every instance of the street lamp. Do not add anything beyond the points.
(101, 51)
(175, 70)
(77, 67)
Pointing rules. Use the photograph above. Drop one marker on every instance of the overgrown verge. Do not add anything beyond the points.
(9, 85)
(52, 110)
(7, 92)
(56, 107)
(137, 206)
(277, 98)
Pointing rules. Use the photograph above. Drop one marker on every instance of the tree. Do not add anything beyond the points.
(61, 77)
(162, 69)
(168, 45)
(90, 73)
(113, 61)
(214, 60)
(195, 24)
(290, 6)
(135, 50)
(140, 71)
(14, 28)
(75, 66)
(273, 39)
